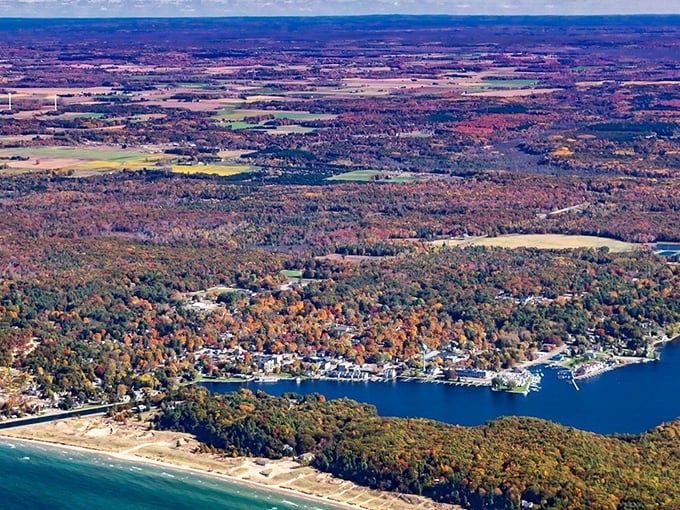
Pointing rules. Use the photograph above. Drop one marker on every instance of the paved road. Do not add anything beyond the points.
(56, 416)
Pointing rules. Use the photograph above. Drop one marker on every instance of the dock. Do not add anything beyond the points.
(573, 381)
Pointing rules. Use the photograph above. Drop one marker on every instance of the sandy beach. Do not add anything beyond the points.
(134, 440)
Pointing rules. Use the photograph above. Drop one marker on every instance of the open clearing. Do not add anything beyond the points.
(77, 159)
(378, 176)
(355, 176)
(240, 114)
(221, 170)
(108, 154)
(85, 162)
(541, 241)
(240, 119)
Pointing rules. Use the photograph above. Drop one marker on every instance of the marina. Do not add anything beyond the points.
(601, 403)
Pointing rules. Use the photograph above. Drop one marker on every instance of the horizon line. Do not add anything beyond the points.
(363, 15)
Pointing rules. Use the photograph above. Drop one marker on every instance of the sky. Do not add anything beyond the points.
(126, 8)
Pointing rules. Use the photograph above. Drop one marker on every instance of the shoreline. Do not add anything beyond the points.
(135, 443)
(132, 459)
(545, 359)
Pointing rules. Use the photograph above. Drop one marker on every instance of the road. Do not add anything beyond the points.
(57, 416)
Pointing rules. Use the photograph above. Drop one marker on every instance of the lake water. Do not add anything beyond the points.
(36, 477)
(629, 399)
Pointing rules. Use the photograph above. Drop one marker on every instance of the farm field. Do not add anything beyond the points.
(542, 242)
(220, 170)
(375, 175)
(79, 160)
(239, 114)
(239, 120)
(356, 176)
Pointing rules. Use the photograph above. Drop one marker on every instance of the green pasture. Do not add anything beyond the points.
(369, 175)
(292, 274)
(355, 176)
(509, 84)
(83, 115)
(240, 125)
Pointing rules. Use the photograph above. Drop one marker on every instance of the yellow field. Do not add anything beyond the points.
(130, 164)
(221, 170)
(79, 162)
(541, 241)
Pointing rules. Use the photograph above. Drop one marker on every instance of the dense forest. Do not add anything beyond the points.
(491, 466)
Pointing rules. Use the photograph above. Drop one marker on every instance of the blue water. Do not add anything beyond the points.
(35, 477)
(630, 399)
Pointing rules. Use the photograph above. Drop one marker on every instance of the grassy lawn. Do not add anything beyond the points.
(577, 361)
(518, 389)
(292, 273)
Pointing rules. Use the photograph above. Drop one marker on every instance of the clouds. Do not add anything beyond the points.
(126, 8)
